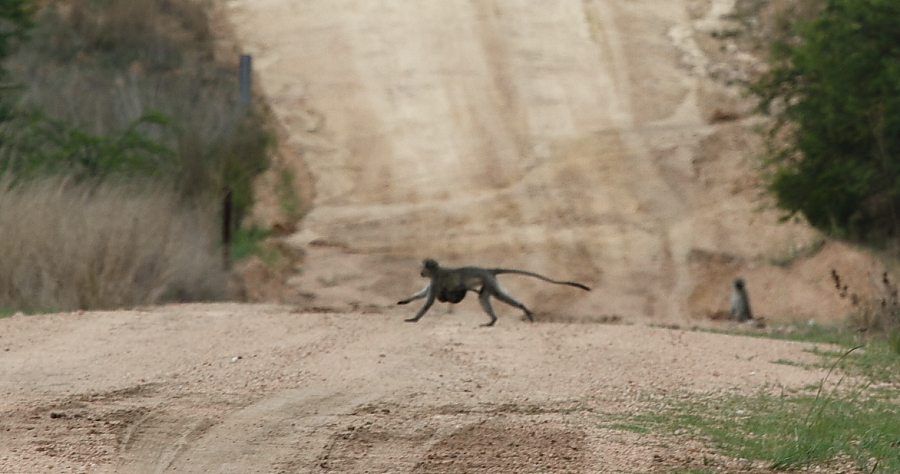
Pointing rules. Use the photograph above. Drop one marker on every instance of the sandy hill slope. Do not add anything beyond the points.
(598, 141)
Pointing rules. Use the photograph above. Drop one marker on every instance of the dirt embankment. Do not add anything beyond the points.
(598, 141)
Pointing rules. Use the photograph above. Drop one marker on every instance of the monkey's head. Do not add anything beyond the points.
(429, 267)
(739, 283)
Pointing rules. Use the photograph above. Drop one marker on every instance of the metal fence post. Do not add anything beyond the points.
(246, 79)
(227, 200)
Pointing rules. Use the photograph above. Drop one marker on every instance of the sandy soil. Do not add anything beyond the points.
(235, 388)
(597, 141)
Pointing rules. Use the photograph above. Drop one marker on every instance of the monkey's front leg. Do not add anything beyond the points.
(416, 296)
(428, 294)
(418, 316)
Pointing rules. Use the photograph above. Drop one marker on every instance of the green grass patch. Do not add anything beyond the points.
(794, 363)
(288, 200)
(893, 342)
(878, 358)
(7, 312)
(789, 430)
(876, 361)
(247, 242)
(805, 332)
(692, 471)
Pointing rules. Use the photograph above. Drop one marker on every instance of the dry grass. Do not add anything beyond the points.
(99, 66)
(68, 246)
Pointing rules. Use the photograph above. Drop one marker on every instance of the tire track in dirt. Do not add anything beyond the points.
(243, 389)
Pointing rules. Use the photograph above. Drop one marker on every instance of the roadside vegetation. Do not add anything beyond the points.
(120, 133)
(878, 359)
(847, 423)
(110, 246)
(832, 93)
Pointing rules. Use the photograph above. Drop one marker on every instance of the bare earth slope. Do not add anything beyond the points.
(591, 140)
(258, 389)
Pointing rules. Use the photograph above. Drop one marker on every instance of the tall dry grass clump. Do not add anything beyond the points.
(67, 246)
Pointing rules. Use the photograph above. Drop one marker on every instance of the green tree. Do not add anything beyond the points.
(15, 18)
(834, 89)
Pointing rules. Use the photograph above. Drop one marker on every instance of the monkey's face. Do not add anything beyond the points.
(429, 267)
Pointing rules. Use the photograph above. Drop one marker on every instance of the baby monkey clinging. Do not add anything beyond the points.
(449, 285)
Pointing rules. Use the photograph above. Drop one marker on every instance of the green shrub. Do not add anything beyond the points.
(247, 242)
(834, 88)
(35, 146)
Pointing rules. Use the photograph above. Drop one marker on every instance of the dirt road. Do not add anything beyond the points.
(258, 389)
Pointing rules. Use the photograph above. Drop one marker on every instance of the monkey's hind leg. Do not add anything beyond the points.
(484, 299)
(484, 296)
(512, 302)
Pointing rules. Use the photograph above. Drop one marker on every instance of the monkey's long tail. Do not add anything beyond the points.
(498, 271)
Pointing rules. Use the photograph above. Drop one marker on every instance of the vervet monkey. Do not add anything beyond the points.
(450, 285)
(740, 302)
